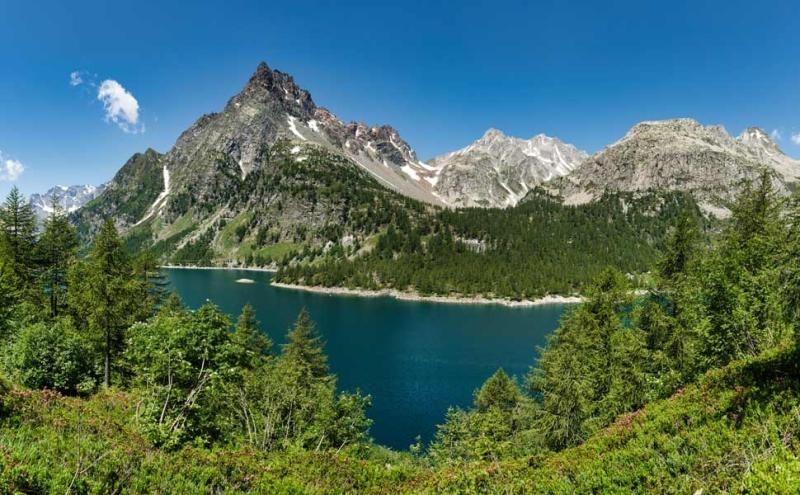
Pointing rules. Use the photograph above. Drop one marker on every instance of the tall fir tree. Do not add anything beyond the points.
(249, 336)
(18, 224)
(56, 249)
(107, 295)
(304, 347)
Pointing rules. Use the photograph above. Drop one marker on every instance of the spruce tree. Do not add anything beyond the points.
(249, 336)
(107, 295)
(56, 248)
(498, 391)
(304, 347)
(18, 239)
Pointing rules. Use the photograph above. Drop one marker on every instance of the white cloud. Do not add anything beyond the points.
(121, 107)
(796, 138)
(10, 169)
(75, 78)
(776, 135)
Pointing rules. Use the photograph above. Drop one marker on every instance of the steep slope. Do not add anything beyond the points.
(680, 155)
(498, 170)
(226, 147)
(735, 431)
(128, 196)
(70, 198)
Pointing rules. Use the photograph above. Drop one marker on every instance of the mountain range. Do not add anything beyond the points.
(266, 163)
(70, 198)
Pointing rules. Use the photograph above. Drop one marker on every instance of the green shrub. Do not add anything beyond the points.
(54, 356)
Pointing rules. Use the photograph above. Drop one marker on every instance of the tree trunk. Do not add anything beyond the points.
(107, 367)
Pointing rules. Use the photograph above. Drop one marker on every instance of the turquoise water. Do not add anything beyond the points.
(415, 358)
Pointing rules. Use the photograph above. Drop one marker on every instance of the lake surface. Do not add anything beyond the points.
(415, 358)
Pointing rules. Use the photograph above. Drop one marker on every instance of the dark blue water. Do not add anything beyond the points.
(415, 358)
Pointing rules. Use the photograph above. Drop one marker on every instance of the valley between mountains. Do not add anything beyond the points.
(274, 180)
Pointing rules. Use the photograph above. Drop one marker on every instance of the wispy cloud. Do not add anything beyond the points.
(796, 138)
(10, 169)
(120, 106)
(776, 135)
(75, 78)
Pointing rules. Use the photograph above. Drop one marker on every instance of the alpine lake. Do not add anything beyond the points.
(416, 359)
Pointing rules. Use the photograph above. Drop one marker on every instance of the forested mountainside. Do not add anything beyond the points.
(325, 221)
(540, 246)
(109, 385)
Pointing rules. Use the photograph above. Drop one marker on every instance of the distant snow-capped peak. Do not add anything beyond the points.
(71, 198)
(498, 170)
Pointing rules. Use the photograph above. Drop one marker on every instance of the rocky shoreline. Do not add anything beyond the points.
(411, 296)
(248, 269)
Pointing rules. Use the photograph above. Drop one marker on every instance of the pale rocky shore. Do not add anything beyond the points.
(412, 296)
(248, 269)
(400, 295)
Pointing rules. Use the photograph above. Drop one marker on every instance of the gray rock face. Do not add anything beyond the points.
(499, 170)
(70, 198)
(680, 155)
(223, 148)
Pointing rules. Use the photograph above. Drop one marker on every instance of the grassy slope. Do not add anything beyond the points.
(736, 431)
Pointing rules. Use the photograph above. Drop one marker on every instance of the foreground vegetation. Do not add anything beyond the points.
(112, 387)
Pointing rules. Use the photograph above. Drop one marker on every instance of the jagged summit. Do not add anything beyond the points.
(758, 140)
(70, 198)
(498, 170)
(683, 155)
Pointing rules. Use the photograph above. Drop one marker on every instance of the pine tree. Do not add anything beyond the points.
(679, 247)
(249, 336)
(304, 347)
(107, 295)
(498, 391)
(147, 267)
(56, 248)
(18, 224)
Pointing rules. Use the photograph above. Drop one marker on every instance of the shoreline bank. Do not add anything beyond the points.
(249, 269)
(410, 296)
(397, 294)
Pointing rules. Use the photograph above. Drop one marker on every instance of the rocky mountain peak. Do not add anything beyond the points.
(681, 155)
(274, 88)
(498, 170)
(759, 141)
(492, 134)
(71, 198)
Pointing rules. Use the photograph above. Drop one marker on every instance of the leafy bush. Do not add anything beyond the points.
(55, 356)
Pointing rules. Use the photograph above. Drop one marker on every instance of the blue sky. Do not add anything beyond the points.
(440, 72)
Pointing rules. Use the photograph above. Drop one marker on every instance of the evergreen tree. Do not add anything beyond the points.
(304, 347)
(106, 295)
(498, 391)
(743, 312)
(249, 336)
(148, 269)
(56, 248)
(679, 247)
(9, 297)
(593, 368)
(18, 238)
